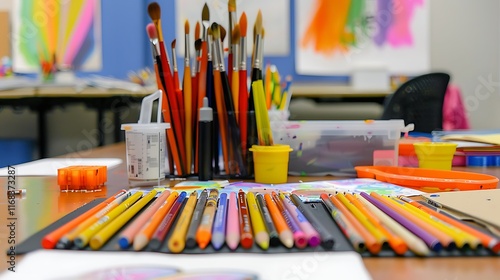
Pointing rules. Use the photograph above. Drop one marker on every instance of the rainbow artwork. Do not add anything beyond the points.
(62, 34)
(349, 33)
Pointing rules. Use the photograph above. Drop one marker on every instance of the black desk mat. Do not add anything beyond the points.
(341, 242)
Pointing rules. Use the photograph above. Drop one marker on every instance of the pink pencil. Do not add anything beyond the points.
(233, 224)
(127, 236)
(311, 234)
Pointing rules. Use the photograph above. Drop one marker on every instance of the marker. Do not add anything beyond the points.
(204, 232)
(195, 220)
(205, 128)
(311, 234)
(219, 230)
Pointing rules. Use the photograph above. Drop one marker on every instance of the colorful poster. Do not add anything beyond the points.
(338, 37)
(67, 33)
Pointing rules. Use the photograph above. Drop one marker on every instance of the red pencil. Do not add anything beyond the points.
(245, 227)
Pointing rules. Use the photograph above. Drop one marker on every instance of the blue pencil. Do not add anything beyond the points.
(219, 229)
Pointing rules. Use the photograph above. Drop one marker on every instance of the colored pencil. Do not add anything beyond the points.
(284, 232)
(101, 237)
(246, 235)
(431, 241)
(161, 231)
(327, 238)
(50, 240)
(196, 219)
(127, 235)
(84, 237)
(345, 225)
(415, 244)
(259, 228)
(67, 240)
(146, 232)
(204, 232)
(299, 236)
(372, 229)
(233, 224)
(268, 221)
(219, 229)
(177, 241)
(311, 234)
(397, 243)
(488, 240)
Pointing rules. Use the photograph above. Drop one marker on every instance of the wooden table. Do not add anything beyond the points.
(44, 204)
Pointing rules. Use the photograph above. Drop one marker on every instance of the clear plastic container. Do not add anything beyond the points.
(336, 147)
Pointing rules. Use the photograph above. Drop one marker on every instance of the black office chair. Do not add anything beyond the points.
(419, 101)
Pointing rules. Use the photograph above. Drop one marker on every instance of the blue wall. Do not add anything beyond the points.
(126, 45)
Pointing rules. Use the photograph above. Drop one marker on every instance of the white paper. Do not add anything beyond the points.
(413, 59)
(49, 166)
(58, 264)
(275, 20)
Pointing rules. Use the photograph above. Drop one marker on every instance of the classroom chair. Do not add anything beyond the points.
(419, 101)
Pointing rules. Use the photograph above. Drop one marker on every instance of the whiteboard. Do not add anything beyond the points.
(406, 59)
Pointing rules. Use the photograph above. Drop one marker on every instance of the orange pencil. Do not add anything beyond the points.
(144, 235)
(446, 240)
(204, 232)
(371, 243)
(50, 240)
(284, 232)
(128, 234)
(396, 243)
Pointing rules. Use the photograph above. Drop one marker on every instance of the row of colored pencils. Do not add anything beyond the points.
(371, 221)
(179, 220)
(240, 115)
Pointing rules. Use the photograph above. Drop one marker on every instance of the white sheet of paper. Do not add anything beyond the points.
(58, 264)
(49, 166)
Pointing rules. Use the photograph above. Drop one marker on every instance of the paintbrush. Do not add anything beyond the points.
(252, 137)
(235, 88)
(173, 154)
(194, 83)
(212, 103)
(188, 129)
(202, 78)
(177, 86)
(231, 8)
(154, 12)
(243, 88)
(234, 131)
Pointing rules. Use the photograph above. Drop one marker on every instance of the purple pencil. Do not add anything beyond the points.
(429, 239)
(311, 234)
(298, 235)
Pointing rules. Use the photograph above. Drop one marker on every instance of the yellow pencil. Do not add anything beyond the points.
(414, 243)
(105, 234)
(259, 229)
(461, 237)
(177, 241)
(379, 236)
(84, 237)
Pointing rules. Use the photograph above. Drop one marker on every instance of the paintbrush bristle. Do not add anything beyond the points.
(186, 27)
(209, 32)
(205, 13)
(243, 24)
(174, 42)
(151, 30)
(235, 35)
(231, 6)
(154, 11)
(223, 32)
(197, 44)
(258, 23)
(263, 33)
(215, 31)
(197, 31)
